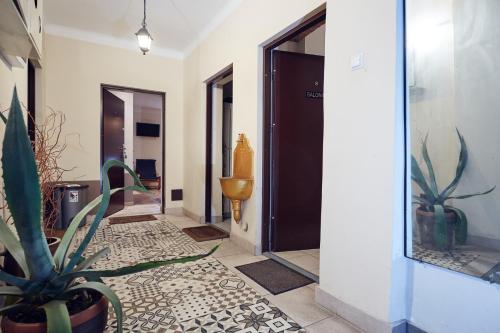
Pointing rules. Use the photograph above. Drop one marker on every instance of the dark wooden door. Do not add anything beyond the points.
(113, 113)
(297, 151)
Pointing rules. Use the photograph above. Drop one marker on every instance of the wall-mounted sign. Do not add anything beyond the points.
(314, 94)
(73, 196)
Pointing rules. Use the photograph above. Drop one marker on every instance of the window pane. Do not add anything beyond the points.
(453, 115)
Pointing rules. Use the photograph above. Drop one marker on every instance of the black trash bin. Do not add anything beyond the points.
(70, 198)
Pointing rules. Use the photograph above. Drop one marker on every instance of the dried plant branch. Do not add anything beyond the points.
(49, 146)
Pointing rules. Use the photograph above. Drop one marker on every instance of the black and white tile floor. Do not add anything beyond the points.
(203, 296)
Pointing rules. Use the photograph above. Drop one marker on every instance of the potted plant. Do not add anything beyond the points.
(60, 293)
(440, 224)
(48, 147)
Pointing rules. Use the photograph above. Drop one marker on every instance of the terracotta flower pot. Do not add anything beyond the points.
(90, 320)
(426, 221)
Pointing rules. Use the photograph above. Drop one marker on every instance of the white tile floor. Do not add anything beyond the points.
(224, 225)
(139, 210)
(305, 259)
(299, 304)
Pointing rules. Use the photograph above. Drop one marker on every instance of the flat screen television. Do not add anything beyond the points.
(145, 129)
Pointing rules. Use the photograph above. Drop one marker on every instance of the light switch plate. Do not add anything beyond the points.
(357, 61)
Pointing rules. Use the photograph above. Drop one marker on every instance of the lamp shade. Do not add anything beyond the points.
(144, 39)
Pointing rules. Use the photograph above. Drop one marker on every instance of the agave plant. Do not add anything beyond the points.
(50, 280)
(436, 200)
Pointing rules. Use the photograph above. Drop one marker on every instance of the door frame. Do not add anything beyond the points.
(132, 90)
(32, 95)
(225, 72)
(308, 23)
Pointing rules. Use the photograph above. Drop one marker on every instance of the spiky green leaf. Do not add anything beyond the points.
(10, 291)
(58, 320)
(109, 294)
(64, 245)
(440, 227)
(466, 196)
(4, 119)
(92, 274)
(461, 225)
(15, 281)
(93, 259)
(430, 169)
(12, 243)
(462, 163)
(418, 177)
(421, 200)
(22, 190)
(102, 209)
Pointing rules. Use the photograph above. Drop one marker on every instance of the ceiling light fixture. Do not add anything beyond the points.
(143, 37)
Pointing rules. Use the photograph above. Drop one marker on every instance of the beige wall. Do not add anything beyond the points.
(362, 260)
(8, 79)
(238, 41)
(315, 42)
(362, 237)
(74, 72)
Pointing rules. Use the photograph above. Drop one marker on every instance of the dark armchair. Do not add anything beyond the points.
(146, 171)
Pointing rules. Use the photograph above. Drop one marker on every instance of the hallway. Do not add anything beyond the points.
(209, 295)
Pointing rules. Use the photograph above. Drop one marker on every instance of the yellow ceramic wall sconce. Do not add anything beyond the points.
(239, 187)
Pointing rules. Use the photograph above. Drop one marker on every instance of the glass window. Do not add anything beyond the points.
(453, 134)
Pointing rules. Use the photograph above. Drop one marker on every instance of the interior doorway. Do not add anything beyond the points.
(219, 148)
(293, 145)
(132, 131)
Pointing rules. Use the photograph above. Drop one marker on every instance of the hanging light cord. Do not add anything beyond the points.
(144, 19)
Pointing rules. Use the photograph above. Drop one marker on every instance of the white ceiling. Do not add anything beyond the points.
(175, 25)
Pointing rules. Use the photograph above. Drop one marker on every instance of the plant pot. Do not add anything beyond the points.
(11, 266)
(90, 320)
(426, 222)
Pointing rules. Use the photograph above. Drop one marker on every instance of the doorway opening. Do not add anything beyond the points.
(31, 102)
(219, 147)
(133, 131)
(293, 145)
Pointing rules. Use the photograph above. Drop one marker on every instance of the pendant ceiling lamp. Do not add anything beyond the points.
(143, 37)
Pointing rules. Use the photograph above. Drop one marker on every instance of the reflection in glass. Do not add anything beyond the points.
(453, 90)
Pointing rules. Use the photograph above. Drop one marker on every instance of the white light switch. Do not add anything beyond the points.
(357, 61)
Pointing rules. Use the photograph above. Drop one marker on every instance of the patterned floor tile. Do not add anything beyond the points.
(202, 296)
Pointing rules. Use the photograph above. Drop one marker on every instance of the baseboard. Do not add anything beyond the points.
(217, 219)
(192, 215)
(358, 317)
(490, 243)
(243, 243)
(177, 211)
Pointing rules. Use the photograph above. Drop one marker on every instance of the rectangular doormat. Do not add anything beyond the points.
(493, 275)
(205, 233)
(274, 277)
(130, 219)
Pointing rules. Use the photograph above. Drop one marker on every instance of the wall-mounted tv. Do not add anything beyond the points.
(145, 129)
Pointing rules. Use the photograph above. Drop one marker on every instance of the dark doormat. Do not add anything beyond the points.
(130, 219)
(205, 233)
(493, 275)
(274, 277)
